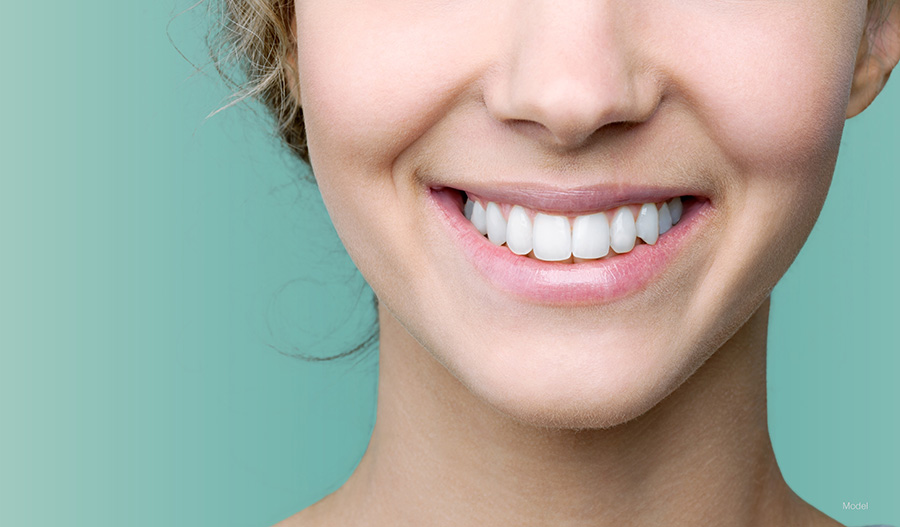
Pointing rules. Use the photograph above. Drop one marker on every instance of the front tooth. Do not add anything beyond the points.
(478, 219)
(622, 231)
(665, 219)
(647, 223)
(496, 224)
(519, 231)
(590, 236)
(675, 209)
(468, 209)
(552, 238)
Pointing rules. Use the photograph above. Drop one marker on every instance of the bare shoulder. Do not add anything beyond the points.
(301, 519)
(304, 518)
(321, 514)
(308, 517)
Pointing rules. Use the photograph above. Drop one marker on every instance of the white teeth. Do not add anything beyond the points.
(552, 238)
(675, 209)
(478, 218)
(496, 224)
(519, 231)
(622, 231)
(556, 238)
(647, 223)
(665, 219)
(590, 236)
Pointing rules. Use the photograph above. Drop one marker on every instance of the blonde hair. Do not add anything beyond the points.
(257, 37)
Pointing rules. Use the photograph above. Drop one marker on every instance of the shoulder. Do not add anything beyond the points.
(304, 518)
(321, 514)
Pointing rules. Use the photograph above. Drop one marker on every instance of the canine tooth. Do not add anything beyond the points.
(478, 218)
(467, 210)
(675, 209)
(647, 223)
(622, 231)
(665, 219)
(496, 224)
(590, 236)
(519, 231)
(552, 238)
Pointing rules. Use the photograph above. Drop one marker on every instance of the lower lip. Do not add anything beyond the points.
(595, 282)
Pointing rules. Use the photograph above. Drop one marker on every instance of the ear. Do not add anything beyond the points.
(290, 67)
(878, 54)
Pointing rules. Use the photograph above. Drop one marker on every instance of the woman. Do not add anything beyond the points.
(572, 215)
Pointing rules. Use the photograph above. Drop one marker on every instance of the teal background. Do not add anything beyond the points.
(151, 278)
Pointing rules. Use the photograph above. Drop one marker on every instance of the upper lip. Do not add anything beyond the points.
(572, 200)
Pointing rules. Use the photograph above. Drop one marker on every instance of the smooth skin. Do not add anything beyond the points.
(648, 410)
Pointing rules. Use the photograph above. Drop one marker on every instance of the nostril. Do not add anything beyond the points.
(571, 128)
(563, 97)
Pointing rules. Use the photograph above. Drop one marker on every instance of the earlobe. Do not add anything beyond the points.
(291, 77)
(290, 67)
(879, 53)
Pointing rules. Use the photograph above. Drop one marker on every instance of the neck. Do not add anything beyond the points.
(439, 455)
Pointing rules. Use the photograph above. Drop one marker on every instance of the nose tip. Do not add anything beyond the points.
(569, 73)
(566, 112)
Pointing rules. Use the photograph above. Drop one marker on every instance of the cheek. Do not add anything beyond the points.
(774, 106)
(770, 93)
(369, 87)
(353, 93)
(776, 99)
(372, 86)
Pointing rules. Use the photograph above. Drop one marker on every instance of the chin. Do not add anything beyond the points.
(561, 405)
(572, 385)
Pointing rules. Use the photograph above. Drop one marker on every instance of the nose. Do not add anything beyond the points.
(572, 68)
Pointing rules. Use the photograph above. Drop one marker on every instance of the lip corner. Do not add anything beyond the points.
(561, 284)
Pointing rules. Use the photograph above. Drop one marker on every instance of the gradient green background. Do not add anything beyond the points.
(152, 265)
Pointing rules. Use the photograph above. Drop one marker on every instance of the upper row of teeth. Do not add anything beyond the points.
(555, 238)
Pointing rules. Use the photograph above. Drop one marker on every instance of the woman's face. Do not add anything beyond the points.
(568, 109)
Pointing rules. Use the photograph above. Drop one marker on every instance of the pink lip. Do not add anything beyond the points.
(599, 281)
(571, 201)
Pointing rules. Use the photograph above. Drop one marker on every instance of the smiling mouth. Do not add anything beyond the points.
(563, 238)
(569, 247)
